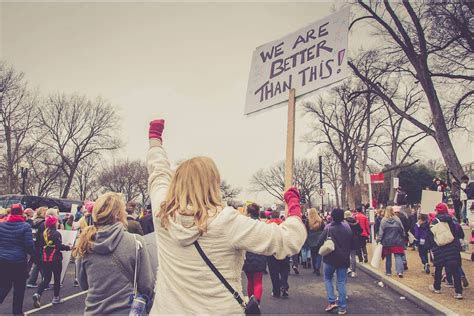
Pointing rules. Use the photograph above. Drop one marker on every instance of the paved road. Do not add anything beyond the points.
(307, 296)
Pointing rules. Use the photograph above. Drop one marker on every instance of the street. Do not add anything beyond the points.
(307, 296)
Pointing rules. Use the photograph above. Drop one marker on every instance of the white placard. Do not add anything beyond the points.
(74, 209)
(69, 238)
(429, 200)
(372, 216)
(396, 182)
(306, 60)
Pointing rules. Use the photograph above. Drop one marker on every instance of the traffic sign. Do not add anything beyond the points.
(321, 192)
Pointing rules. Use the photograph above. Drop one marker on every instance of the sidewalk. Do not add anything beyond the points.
(419, 281)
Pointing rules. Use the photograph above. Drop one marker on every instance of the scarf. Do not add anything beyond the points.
(15, 218)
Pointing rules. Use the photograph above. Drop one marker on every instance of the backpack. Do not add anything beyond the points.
(49, 249)
(442, 233)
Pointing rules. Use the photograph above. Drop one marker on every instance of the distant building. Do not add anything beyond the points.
(468, 169)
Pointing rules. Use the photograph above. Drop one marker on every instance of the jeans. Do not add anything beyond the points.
(316, 259)
(13, 275)
(353, 260)
(279, 271)
(464, 211)
(305, 254)
(50, 269)
(423, 252)
(398, 263)
(362, 252)
(455, 274)
(449, 275)
(341, 279)
(254, 284)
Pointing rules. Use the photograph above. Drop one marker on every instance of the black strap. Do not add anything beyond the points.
(234, 293)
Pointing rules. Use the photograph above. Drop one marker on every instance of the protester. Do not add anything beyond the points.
(445, 256)
(421, 230)
(68, 222)
(133, 226)
(392, 237)
(146, 222)
(412, 220)
(16, 242)
(466, 193)
(378, 218)
(106, 249)
(338, 261)
(315, 228)
(52, 260)
(189, 212)
(364, 236)
(37, 229)
(28, 213)
(86, 219)
(400, 197)
(355, 241)
(254, 264)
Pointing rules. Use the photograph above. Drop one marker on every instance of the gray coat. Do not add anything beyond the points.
(107, 273)
(391, 232)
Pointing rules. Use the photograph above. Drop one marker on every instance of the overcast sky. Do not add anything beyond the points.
(185, 62)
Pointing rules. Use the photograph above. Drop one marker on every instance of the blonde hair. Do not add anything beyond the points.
(194, 190)
(314, 220)
(52, 212)
(389, 213)
(108, 209)
(41, 212)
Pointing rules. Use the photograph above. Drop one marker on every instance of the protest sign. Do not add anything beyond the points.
(306, 60)
(69, 238)
(429, 200)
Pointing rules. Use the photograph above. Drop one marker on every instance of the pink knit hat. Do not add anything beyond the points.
(89, 205)
(50, 221)
(441, 208)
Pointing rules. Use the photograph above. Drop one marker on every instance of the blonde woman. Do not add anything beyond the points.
(187, 207)
(37, 229)
(106, 260)
(392, 237)
(315, 228)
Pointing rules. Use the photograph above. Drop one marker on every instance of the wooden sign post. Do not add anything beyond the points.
(290, 141)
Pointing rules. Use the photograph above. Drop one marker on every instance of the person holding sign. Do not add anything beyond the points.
(201, 243)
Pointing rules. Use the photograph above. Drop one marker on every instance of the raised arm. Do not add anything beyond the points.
(159, 170)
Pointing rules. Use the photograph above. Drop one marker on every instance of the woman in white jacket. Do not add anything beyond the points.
(187, 206)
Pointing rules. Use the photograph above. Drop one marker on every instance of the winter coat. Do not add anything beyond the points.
(16, 242)
(449, 254)
(405, 224)
(38, 229)
(356, 232)
(185, 284)
(133, 226)
(341, 235)
(314, 235)
(364, 224)
(254, 262)
(107, 272)
(378, 220)
(421, 232)
(147, 224)
(52, 250)
(412, 220)
(391, 232)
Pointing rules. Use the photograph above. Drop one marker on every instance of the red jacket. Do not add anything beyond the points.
(364, 223)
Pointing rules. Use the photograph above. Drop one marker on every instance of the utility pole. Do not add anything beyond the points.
(321, 181)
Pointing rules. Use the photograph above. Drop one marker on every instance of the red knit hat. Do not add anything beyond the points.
(16, 209)
(50, 221)
(441, 208)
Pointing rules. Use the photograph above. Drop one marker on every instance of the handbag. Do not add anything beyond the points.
(252, 307)
(442, 233)
(377, 256)
(328, 246)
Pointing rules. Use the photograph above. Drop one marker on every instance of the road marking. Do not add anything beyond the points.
(50, 304)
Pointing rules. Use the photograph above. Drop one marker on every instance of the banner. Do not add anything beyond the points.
(69, 238)
(306, 60)
(429, 200)
(377, 178)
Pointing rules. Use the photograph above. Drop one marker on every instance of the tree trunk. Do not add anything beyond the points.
(67, 187)
(364, 190)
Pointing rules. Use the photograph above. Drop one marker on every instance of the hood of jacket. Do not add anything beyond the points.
(392, 220)
(37, 222)
(446, 218)
(108, 238)
(352, 221)
(183, 230)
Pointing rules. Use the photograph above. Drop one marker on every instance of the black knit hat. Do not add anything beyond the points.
(337, 215)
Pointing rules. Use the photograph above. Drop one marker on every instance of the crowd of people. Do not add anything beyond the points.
(203, 246)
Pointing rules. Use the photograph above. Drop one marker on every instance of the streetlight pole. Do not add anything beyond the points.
(24, 166)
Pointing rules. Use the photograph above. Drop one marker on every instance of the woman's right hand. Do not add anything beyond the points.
(292, 199)
(155, 131)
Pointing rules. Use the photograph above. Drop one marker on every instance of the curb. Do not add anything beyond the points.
(421, 300)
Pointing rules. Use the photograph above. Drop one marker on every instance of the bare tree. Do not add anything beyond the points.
(406, 29)
(228, 192)
(85, 185)
(76, 128)
(44, 172)
(18, 113)
(332, 172)
(272, 180)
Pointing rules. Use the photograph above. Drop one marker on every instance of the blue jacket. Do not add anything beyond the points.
(16, 241)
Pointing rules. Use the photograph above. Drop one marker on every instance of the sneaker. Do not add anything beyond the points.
(295, 268)
(443, 279)
(31, 286)
(56, 300)
(432, 289)
(76, 283)
(342, 312)
(427, 268)
(349, 271)
(464, 281)
(449, 285)
(36, 300)
(388, 274)
(353, 275)
(400, 275)
(284, 292)
(331, 306)
(458, 296)
(365, 261)
(275, 295)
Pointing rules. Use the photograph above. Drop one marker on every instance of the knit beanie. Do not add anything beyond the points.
(89, 205)
(51, 221)
(16, 209)
(441, 208)
(347, 214)
(337, 215)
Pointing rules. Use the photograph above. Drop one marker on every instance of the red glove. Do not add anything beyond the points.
(156, 129)
(292, 199)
